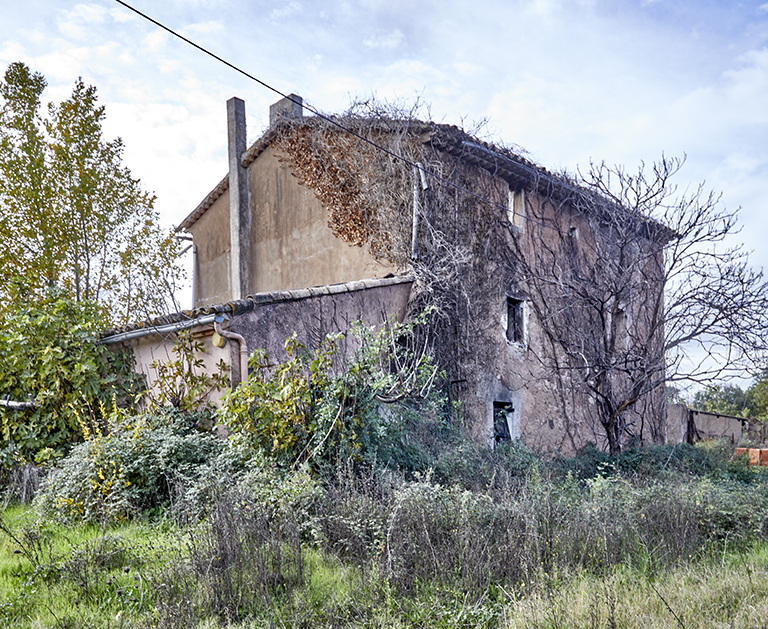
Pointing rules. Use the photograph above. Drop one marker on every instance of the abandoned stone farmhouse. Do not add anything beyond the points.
(313, 228)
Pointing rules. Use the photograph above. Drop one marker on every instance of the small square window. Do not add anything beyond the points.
(515, 320)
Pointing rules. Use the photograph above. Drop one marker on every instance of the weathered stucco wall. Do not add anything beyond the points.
(211, 236)
(545, 405)
(149, 349)
(313, 314)
(266, 320)
(291, 243)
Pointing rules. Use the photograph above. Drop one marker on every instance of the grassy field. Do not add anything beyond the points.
(89, 577)
(670, 537)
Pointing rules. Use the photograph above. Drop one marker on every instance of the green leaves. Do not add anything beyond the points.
(183, 382)
(72, 214)
(50, 353)
(316, 408)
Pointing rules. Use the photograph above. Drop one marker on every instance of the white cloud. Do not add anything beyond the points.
(74, 22)
(198, 4)
(204, 28)
(388, 41)
(155, 41)
(64, 66)
(469, 69)
(287, 10)
(763, 7)
(168, 66)
(12, 51)
(121, 15)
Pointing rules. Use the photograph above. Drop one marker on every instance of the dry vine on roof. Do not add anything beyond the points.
(367, 192)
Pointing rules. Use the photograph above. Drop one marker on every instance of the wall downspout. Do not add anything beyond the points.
(232, 336)
(418, 175)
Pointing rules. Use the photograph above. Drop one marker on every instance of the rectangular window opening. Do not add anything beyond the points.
(620, 329)
(515, 320)
(502, 421)
(516, 208)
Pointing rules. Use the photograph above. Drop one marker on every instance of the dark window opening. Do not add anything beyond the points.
(501, 416)
(620, 329)
(515, 320)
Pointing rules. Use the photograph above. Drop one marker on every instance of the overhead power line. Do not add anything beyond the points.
(327, 118)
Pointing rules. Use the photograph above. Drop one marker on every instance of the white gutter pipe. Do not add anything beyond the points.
(232, 336)
(159, 329)
(17, 406)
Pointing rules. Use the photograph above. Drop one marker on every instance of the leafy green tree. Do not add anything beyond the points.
(309, 410)
(51, 357)
(72, 216)
(728, 399)
(757, 395)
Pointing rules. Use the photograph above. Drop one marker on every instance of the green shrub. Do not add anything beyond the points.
(350, 521)
(477, 467)
(450, 536)
(645, 461)
(313, 408)
(145, 462)
(243, 558)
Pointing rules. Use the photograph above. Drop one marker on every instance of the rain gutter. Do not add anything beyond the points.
(159, 329)
(17, 406)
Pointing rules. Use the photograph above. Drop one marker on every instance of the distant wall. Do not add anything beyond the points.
(689, 425)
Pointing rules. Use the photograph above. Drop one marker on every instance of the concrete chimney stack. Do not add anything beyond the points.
(290, 107)
(239, 202)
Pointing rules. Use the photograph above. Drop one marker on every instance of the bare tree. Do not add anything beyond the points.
(634, 286)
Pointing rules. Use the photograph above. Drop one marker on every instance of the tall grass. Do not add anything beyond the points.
(661, 537)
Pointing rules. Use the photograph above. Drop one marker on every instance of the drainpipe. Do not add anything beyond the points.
(243, 347)
(418, 174)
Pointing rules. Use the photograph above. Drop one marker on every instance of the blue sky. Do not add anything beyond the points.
(569, 80)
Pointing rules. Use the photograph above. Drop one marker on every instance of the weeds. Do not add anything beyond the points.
(530, 544)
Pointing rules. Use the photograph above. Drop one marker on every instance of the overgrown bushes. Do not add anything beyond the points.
(51, 357)
(342, 495)
(142, 463)
(317, 408)
(291, 547)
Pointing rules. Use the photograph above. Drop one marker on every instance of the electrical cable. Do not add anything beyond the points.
(329, 119)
